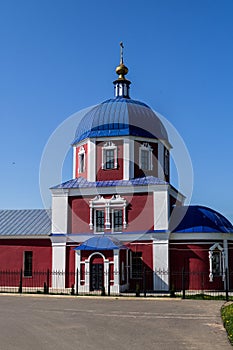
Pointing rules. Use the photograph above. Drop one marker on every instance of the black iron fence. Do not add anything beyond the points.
(147, 283)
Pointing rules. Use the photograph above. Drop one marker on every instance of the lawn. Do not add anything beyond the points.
(227, 316)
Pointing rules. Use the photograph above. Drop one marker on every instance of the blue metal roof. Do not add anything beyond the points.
(101, 243)
(28, 222)
(120, 117)
(197, 218)
(80, 182)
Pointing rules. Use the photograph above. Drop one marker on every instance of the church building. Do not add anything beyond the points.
(119, 223)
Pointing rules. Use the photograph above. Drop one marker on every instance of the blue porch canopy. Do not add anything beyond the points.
(101, 243)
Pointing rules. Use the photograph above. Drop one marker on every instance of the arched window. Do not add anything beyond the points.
(108, 214)
(216, 262)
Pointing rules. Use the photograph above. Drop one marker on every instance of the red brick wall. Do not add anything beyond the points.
(110, 174)
(139, 213)
(194, 258)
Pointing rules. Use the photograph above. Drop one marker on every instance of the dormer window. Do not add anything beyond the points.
(216, 262)
(81, 160)
(109, 156)
(145, 157)
(108, 214)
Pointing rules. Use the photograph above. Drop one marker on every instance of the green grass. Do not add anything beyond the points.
(227, 316)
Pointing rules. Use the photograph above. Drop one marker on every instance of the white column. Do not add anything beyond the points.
(161, 204)
(161, 264)
(60, 211)
(116, 286)
(161, 161)
(91, 160)
(107, 216)
(77, 267)
(58, 261)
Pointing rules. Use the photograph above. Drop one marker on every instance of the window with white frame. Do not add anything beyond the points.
(109, 156)
(216, 261)
(81, 160)
(108, 214)
(145, 157)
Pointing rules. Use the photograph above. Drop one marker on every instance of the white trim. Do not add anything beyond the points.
(91, 160)
(126, 159)
(74, 161)
(116, 202)
(160, 161)
(81, 152)
(149, 151)
(109, 146)
(217, 247)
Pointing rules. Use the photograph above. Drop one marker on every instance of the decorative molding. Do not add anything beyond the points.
(145, 147)
(108, 205)
(109, 146)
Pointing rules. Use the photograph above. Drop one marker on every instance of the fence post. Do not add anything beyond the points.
(20, 290)
(183, 283)
(227, 286)
(109, 291)
(48, 281)
(144, 282)
(77, 281)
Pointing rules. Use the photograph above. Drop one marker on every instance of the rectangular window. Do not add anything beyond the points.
(109, 159)
(81, 163)
(117, 220)
(136, 265)
(99, 223)
(27, 264)
(144, 159)
(216, 263)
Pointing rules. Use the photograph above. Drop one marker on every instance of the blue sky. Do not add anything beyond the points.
(59, 56)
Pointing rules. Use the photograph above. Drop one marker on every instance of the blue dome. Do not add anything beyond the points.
(195, 218)
(120, 117)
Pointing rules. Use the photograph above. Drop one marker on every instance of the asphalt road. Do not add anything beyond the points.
(65, 323)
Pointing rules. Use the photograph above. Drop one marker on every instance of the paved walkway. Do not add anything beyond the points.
(64, 323)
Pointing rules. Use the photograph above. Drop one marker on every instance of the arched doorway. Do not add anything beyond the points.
(96, 272)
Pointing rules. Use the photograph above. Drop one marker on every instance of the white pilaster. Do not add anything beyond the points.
(161, 204)
(128, 159)
(160, 161)
(77, 269)
(161, 264)
(225, 247)
(60, 211)
(58, 261)
(74, 161)
(91, 160)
